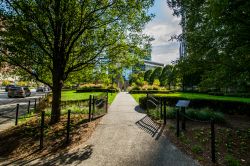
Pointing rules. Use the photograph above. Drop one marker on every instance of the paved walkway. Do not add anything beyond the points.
(124, 137)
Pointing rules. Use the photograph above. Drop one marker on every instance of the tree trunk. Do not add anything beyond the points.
(56, 102)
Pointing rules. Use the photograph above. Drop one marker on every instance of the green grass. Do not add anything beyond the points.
(112, 97)
(197, 96)
(72, 95)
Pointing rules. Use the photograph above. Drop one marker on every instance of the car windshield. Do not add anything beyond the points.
(16, 88)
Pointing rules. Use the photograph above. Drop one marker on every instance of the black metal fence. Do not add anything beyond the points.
(156, 108)
(181, 115)
(85, 110)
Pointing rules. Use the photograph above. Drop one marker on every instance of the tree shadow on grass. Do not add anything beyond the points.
(21, 143)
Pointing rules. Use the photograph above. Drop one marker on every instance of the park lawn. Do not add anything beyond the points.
(72, 95)
(112, 97)
(191, 96)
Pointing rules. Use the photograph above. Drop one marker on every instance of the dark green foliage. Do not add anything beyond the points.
(96, 90)
(231, 161)
(217, 38)
(49, 40)
(155, 75)
(138, 91)
(197, 149)
(203, 114)
(167, 76)
(147, 75)
(227, 107)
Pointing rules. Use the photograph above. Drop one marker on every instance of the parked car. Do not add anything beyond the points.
(19, 91)
(8, 87)
(40, 89)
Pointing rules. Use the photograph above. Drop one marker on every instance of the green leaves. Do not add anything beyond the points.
(217, 38)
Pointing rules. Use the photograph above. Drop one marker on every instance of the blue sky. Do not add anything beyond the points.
(161, 28)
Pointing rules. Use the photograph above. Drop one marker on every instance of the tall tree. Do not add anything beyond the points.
(217, 38)
(51, 39)
(155, 75)
(147, 75)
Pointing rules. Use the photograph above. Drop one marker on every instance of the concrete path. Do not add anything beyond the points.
(124, 137)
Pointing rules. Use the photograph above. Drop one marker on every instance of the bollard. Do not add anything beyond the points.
(68, 127)
(212, 141)
(42, 129)
(29, 107)
(17, 109)
(93, 102)
(90, 97)
(35, 105)
(147, 103)
(161, 106)
(183, 120)
(177, 123)
(165, 111)
(107, 101)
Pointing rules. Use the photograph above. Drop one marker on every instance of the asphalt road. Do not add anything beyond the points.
(8, 107)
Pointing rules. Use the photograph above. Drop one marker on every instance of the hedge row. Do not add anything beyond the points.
(96, 90)
(150, 91)
(227, 107)
(246, 95)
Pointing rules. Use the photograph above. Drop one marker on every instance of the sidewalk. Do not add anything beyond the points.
(124, 137)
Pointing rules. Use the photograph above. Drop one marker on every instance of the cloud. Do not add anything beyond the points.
(161, 28)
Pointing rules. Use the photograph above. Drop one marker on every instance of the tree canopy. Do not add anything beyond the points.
(51, 39)
(217, 39)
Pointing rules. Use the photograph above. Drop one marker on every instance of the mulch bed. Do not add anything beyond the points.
(23, 141)
(232, 141)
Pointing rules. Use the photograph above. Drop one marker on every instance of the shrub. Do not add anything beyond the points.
(132, 91)
(170, 112)
(231, 161)
(96, 90)
(96, 86)
(156, 83)
(205, 114)
(196, 114)
(228, 107)
(5, 83)
(197, 149)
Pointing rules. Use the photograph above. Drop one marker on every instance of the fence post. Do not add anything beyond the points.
(90, 104)
(165, 111)
(93, 110)
(17, 109)
(35, 105)
(68, 127)
(212, 141)
(41, 129)
(161, 106)
(177, 123)
(147, 103)
(107, 101)
(29, 107)
(183, 119)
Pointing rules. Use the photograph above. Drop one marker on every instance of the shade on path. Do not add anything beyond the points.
(124, 137)
(127, 137)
